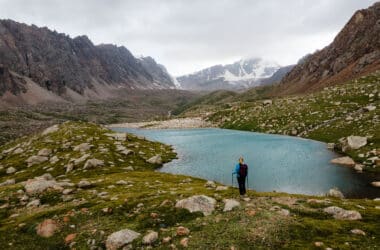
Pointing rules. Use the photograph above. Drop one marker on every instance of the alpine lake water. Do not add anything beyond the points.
(276, 163)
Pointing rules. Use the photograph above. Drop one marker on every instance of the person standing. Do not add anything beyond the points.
(241, 171)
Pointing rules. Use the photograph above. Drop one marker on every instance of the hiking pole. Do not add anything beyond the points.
(232, 180)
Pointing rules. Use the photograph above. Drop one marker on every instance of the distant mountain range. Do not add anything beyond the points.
(242, 74)
(354, 52)
(37, 64)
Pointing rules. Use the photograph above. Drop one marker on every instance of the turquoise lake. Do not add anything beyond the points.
(276, 163)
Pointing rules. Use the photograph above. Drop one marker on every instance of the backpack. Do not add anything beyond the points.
(243, 170)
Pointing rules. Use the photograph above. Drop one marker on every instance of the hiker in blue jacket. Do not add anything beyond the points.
(241, 171)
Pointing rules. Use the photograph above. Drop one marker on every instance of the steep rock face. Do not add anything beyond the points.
(239, 75)
(355, 51)
(158, 72)
(58, 63)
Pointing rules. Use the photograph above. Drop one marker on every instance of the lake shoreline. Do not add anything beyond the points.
(178, 123)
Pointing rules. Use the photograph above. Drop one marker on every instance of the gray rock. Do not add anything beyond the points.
(370, 108)
(345, 160)
(267, 102)
(54, 160)
(11, 170)
(358, 232)
(18, 151)
(354, 142)
(83, 147)
(210, 184)
(8, 182)
(44, 152)
(196, 203)
(118, 136)
(155, 160)
(36, 159)
(150, 238)
(342, 214)
(93, 163)
(230, 204)
(69, 167)
(331, 145)
(129, 168)
(84, 184)
(358, 167)
(80, 159)
(335, 192)
(221, 188)
(34, 203)
(120, 239)
(126, 152)
(40, 184)
(51, 129)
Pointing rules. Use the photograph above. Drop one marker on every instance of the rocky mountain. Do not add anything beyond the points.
(37, 60)
(354, 52)
(239, 75)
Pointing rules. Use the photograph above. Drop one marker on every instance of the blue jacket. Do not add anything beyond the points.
(237, 170)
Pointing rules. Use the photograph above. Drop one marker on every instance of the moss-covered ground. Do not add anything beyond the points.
(145, 200)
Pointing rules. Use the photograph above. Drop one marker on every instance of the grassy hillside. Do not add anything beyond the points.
(328, 115)
(124, 191)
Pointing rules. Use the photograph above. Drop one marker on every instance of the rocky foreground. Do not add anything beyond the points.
(81, 186)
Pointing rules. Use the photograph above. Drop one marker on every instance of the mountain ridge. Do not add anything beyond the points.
(71, 68)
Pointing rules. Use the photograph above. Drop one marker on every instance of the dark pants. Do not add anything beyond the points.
(241, 181)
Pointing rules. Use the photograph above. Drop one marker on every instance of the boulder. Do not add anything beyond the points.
(376, 184)
(36, 159)
(44, 152)
(182, 231)
(267, 102)
(345, 160)
(120, 238)
(196, 203)
(54, 160)
(342, 214)
(369, 108)
(83, 147)
(118, 136)
(358, 167)
(354, 142)
(210, 184)
(357, 232)
(184, 242)
(126, 152)
(155, 160)
(80, 159)
(18, 151)
(39, 185)
(150, 238)
(335, 192)
(221, 188)
(8, 182)
(11, 170)
(34, 203)
(230, 204)
(84, 184)
(47, 228)
(51, 129)
(70, 238)
(93, 163)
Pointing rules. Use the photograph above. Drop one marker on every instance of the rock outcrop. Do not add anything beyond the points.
(198, 203)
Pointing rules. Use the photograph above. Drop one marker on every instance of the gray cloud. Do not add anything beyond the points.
(188, 35)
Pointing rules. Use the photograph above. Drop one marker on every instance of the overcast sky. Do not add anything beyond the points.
(188, 35)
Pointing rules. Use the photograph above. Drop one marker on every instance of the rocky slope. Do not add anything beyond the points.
(239, 75)
(354, 52)
(330, 115)
(78, 185)
(38, 59)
